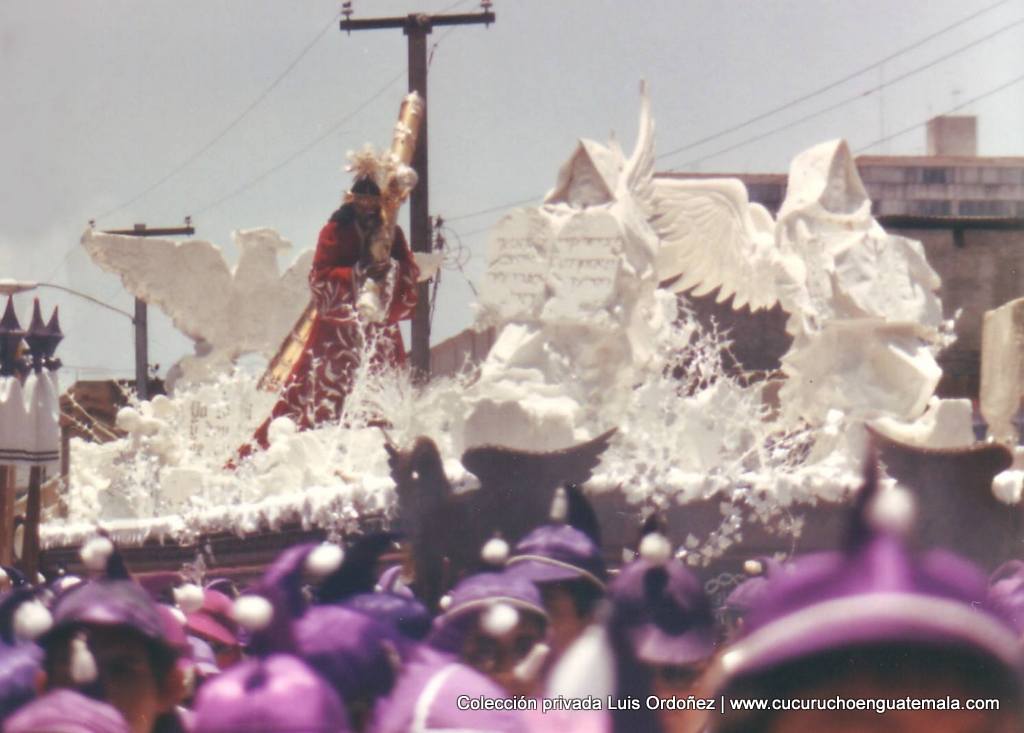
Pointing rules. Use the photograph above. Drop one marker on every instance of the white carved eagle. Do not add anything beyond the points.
(228, 311)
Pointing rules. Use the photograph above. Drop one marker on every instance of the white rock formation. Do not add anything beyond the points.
(1002, 369)
(864, 315)
(227, 311)
(945, 424)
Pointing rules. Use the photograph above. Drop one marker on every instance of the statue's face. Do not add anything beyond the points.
(367, 212)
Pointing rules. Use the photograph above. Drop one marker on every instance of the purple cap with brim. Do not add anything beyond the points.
(66, 711)
(556, 553)
(405, 614)
(109, 603)
(832, 602)
(277, 694)
(213, 621)
(477, 594)
(664, 612)
(875, 591)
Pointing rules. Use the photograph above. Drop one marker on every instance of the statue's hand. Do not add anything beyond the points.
(376, 270)
(379, 270)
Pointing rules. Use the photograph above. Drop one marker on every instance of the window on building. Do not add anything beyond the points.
(936, 175)
(931, 208)
(984, 208)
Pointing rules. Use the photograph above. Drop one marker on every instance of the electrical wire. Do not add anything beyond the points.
(229, 127)
(848, 100)
(895, 54)
(88, 297)
(887, 138)
(301, 151)
(957, 108)
(832, 85)
(492, 209)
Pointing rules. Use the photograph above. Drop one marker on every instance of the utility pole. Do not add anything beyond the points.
(141, 317)
(417, 26)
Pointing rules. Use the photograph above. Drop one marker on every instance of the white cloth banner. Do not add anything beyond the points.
(30, 420)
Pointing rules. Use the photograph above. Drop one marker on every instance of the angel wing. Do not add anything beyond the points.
(712, 237)
(264, 303)
(638, 172)
(190, 281)
(296, 278)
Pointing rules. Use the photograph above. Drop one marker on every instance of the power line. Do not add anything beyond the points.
(481, 230)
(957, 108)
(491, 210)
(915, 126)
(230, 126)
(435, 44)
(832, 85)
(303, 150)
(847, 100)
(502, 207)
(88, 297)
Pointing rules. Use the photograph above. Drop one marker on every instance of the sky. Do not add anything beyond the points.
(239, 114)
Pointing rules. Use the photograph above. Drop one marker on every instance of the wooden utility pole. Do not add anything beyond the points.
(33, 518)
(7, 489)
(141, 318)
(417, 26)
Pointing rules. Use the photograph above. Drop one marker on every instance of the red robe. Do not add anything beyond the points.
(315, 390)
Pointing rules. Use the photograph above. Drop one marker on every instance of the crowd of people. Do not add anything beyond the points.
(544, 636)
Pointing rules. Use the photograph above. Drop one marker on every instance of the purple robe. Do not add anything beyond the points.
(426, 699)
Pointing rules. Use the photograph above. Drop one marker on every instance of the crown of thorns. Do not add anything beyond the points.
(369, 164)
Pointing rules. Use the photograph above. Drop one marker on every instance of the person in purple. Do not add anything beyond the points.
(278, 693)
(23, 619)
(656, 641)
(874, 622)
(66, 711)
(357, 654)
(495, 622)
(208, 616)
(487, 645)
(565, 563)
(109, 641)
(274, 691)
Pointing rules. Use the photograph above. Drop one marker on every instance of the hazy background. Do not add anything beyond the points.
(240, 113)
